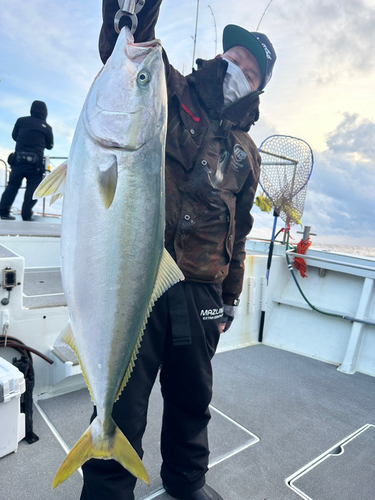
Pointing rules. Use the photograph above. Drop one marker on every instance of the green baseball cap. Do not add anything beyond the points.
(257, 43)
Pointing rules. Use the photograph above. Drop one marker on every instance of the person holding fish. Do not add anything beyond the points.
(212, 170)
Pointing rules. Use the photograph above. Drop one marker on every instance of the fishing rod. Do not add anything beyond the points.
(265, 10)
(195, 34)
(212, 12)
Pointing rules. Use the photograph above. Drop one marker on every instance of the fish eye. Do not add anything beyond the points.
(143, 77)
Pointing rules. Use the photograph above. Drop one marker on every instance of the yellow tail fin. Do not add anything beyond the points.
(105, 446)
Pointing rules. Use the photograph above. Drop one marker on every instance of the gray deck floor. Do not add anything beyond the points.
(299, 408)
(41, 226)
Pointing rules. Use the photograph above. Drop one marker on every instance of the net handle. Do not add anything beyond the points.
(295, 162)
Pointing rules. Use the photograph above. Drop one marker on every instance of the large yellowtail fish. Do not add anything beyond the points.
(113, 262)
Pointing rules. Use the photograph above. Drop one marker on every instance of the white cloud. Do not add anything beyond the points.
(321, 91)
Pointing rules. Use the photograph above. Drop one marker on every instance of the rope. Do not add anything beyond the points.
(299, 262)
(290, 267)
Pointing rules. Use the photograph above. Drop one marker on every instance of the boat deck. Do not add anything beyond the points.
(40, 226)
(274, 413)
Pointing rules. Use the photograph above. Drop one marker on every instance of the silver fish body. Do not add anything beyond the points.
(114, 265)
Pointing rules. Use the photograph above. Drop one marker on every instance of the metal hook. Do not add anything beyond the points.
(129, 8)
(133, 18)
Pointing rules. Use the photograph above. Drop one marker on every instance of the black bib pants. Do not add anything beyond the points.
(34, 175)
(186, 384)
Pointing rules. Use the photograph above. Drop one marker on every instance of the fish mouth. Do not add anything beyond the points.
(137, 52)
(110, 115)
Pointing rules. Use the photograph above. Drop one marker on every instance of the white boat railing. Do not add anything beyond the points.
(6, 172)
(47, 169)
(331, 261)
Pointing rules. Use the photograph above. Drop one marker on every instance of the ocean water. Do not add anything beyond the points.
(56, 209)
(347, 249)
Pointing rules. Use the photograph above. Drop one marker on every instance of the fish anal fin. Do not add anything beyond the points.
(67, 337)
(168, 275)
(95, 443)
(107, 180)
(53, 183)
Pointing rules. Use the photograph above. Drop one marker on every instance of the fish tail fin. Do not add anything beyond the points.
(103, 446)
(78, 455)
(126, 455)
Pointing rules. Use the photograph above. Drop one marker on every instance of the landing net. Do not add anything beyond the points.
(287, 164)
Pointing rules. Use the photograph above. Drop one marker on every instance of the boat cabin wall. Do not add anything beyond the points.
(345, 288)
(37, 251)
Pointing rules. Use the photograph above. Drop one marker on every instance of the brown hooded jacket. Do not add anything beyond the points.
(212, 165)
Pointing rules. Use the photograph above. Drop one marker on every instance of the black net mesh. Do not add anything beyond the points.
(286, 167)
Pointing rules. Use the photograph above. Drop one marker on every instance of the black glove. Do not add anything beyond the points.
(228, 316)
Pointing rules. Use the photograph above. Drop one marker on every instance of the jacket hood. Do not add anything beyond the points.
(39, 109)
(208, 81)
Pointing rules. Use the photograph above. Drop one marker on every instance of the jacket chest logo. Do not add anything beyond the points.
(239, 155)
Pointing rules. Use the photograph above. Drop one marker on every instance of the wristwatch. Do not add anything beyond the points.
(236, 302)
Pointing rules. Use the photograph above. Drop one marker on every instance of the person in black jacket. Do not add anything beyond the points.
(32, 135)
(211, 169)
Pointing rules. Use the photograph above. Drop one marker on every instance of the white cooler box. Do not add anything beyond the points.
(12, 421)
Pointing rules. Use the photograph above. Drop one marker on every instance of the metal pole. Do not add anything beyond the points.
(195, 35)
(6, 173)
(292, 188)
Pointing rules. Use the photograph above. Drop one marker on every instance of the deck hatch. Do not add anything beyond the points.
(345, 471)
(227, 437)
(43, 288)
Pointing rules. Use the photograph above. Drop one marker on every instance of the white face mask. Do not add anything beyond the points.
(235, 84)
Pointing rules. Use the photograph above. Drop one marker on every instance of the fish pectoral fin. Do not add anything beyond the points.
(168, 275)
(53, 183)
(108, 182)
(94, 444)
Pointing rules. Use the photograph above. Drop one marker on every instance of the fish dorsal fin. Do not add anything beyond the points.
(108, 182)
(54, 198)
(53, 183)
(168, 275)
(67, 337)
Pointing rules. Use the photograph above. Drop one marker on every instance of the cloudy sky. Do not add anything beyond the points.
(322, 90)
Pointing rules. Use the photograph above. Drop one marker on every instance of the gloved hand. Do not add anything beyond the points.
(228, 317)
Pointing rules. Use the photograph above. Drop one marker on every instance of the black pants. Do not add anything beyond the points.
(186, 382)
(34, 176)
